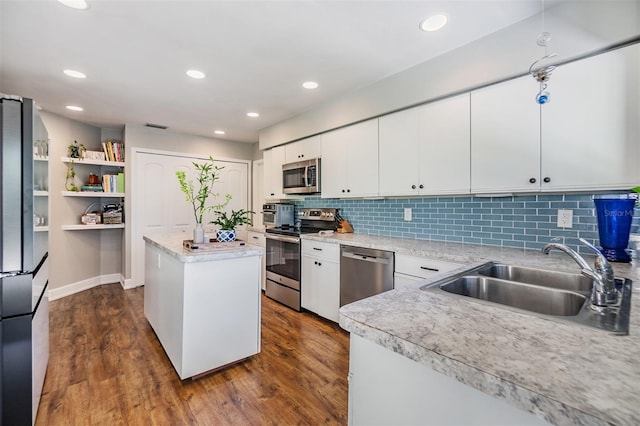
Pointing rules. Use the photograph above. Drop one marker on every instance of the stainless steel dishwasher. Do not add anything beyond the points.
(364, 272)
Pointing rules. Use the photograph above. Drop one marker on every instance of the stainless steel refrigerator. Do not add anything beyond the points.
(24, 306)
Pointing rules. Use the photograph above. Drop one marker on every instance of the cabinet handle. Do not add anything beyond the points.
(421, 186)
(426, 268)
(547, 180)
(343, 190)
(348, 190)
(413, 187)
(316, 248)
(255, 238)
(319, 264)
(532, 180)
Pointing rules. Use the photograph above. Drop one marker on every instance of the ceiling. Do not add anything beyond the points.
(256, 55)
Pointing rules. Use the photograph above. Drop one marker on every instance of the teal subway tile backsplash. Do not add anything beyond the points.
(521, 221)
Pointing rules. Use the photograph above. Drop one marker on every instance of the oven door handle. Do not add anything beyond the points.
(294, 240)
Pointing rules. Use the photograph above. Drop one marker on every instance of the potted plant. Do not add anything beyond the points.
(199, 190)
(227, 224)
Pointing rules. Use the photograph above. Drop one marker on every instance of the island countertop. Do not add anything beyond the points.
(564, 373)
(172, 245)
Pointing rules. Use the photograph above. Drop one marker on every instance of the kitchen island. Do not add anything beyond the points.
(435, 356)
(203, 306)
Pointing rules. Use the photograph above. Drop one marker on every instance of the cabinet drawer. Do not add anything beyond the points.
(321, 249)
(422, 266)
(256, 239)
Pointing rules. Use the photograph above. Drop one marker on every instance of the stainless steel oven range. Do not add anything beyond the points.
(283, 254)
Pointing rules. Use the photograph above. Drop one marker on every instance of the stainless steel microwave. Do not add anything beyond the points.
(301, 177)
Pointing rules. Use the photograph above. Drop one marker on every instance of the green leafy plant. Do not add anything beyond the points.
(199, 190)
(637, 191)
(238, 217)
(76, 151)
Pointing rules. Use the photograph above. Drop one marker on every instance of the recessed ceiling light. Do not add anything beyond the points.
(310, 85)
(75, 74)
(75, 4)
(75, 108)
(433, 23)
(253, 114)
(196, 74)
(219, 132)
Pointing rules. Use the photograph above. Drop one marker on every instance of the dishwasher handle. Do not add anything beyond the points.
(366, 257)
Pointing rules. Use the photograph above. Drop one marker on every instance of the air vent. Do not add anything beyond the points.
(156, 126)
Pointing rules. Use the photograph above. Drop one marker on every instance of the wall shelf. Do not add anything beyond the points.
(91, 227)
(40, 193)
(93, 162)
(91, 194)
(40, 229)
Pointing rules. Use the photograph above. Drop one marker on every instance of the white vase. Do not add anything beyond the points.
(198, 234)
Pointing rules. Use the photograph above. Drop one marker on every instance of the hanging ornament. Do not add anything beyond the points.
(542, 73)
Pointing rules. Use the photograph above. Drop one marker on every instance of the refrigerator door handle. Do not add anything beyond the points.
(10, 274)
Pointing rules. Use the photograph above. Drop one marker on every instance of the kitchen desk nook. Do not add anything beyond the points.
(203, 306)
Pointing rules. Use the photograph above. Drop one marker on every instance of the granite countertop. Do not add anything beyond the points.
(172, 245)
(564, 373)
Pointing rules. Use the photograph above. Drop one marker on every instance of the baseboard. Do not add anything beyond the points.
(127, 283)
(77, 287)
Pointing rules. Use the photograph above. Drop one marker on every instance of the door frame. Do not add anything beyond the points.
(132, 196)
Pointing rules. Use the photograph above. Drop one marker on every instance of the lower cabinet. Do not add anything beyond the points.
(321, 278)
(411, 269)
(257, 239)
(386, 388)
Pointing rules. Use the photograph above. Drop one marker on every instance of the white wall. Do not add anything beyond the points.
(137, 136)
(576, 27)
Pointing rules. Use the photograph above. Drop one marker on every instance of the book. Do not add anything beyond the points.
(120, 184)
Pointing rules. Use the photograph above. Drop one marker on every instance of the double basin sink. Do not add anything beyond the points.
(552, 294)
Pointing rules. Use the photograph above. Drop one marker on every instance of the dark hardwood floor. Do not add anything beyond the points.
(106, 367)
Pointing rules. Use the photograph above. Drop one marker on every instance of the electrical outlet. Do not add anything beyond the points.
(565, 218)
(407, 214)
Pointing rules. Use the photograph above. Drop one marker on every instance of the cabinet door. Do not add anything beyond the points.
(305, 149)
(400, 136)
(445, 147)
(505, 137)
(334, 164)
(327, 285)
(308, 297)
(362, 159)
(274, 158)
(590, 129)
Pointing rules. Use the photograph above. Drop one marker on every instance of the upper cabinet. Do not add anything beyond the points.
(426, 150)
(591, 127)
(274, 158)
(305, 149)
(505, 137)
(350, 161)
(585, 138)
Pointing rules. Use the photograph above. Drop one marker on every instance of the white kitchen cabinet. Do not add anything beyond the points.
(305, 149)
(591, 127)
(258, 239)
(350, 161)
(426, 150)
(505, 137)
(321, 278)
(386, 388)
(585, 138)
(411, 269)
(206, 314)
(274, 158)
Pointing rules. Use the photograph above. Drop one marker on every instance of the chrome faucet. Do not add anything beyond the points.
(604, 291)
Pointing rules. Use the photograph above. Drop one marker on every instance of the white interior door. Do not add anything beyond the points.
(161, 206)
